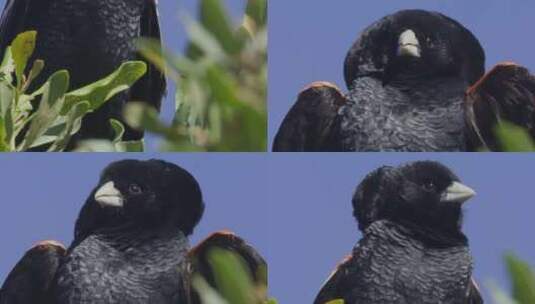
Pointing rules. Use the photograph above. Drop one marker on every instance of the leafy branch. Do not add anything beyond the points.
(221, 83)
(48, 117)
(234, 281)
(522, 279)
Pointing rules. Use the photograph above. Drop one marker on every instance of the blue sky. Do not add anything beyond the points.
(312, 228)
(43, 193)
(309, 39)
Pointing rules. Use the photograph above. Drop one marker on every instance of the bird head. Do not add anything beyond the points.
(422, 193)
(415, 45)
(151, 194)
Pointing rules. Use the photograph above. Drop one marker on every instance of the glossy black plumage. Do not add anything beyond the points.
(90, 38)
(412, 249)
(407, 76)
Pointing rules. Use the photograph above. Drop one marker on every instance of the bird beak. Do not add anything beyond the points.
(408, 44)
(108, 195)
(457, 193)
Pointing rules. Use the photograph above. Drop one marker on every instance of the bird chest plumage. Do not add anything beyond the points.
(123, 269)
(415, 271)
(406, 119)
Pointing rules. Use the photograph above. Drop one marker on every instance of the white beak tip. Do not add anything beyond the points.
(108, 195)
(457, 192)
(408, 44)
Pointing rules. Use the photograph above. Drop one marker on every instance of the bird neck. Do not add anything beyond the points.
(130, 235)
(442, 98)
(437, 235)
(431, 236)
(446, 87)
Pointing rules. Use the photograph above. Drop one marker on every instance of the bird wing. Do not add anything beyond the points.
(473, 293)
(226, 240)
(308, 124)
(507, 92)
(333, 288)
(152, 86)
(184, 286)
(12, 21)
(30, 280)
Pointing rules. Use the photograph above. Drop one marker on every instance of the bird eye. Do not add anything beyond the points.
(429, 185)
(134, 189)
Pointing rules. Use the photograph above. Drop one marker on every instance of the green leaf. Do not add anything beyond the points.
(24, 105)
(130, 146)
(9, 125)
(523, 279)
(118, 130)
(22, 49)
(101, 91)
(36, 69)
(231, 277)
(49, 107)
(498, 295)
(191, 102)
(95, 145)
(6, 98)
(124, 146)
(68, 126)
(514, 138)
(7, 67)
(140, 115)
(102, 145)
(203, 39)
(151, 49)
(222, 85)
(338, 301)
(256, 10)
(166, 61)
(4, 146)
(207, 294)
(215, 20)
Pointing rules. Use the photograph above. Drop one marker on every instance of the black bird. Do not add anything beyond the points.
(408, 75)
(89, 38)
(413, 249)
(130, 244)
